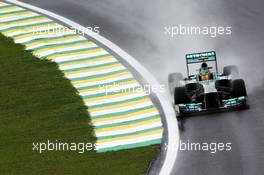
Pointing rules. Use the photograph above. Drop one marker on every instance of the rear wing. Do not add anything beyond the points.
(199, 58)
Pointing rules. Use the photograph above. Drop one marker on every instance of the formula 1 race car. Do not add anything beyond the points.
(207, 90)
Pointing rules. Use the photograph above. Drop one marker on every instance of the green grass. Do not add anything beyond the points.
(37, 104)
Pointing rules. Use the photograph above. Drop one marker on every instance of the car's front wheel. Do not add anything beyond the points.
(239, 88)
(181, 95)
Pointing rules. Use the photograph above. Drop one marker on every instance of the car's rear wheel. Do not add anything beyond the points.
(174, 81)
(231, 70)
(181, 95)
(238, 88)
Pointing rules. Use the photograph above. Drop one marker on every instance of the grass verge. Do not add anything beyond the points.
(37, 104)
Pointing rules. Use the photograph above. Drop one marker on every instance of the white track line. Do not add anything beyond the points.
(173, 133)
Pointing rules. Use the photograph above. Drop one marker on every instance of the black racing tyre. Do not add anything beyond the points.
(174, 79)
(238, 88)
(180, 124)
(231, 70)
(223, 85)
(181, 95)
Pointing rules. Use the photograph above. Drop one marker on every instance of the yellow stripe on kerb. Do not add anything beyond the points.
(133, 125)
(86, 43)
(75, 53)
(16, 14)
(10, 8)
(120, 105)
(103, 58)
(25, 36)
(43, 41)
(4, 5)
(159, 131)
(97, 120)
(35, 27)
(100, 78)
(106, 96)
(39, 35)
(94, 69)
(24, 21)
(118, 85)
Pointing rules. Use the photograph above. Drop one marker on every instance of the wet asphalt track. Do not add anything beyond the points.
(138, 28)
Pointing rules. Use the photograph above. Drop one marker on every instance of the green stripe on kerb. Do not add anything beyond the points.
(105, 84)
(117, 114)
(9, 13)
(21, 20)
(98, 76)
(71, 51)
(84, 59)
(29, 25)
(22, 25)
(48, 30)
(129, 134)
(119, 102)
(90, 67)
(153, 142)
(47, 46)
(128, 122)
(111, 93)
(48, 38)
(6, 6)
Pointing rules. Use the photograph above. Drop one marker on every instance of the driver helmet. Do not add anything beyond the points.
(204, 65)
(204, 72)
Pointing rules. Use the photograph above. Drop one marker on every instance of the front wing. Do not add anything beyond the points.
(226, 105)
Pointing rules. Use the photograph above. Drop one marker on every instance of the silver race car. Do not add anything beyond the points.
(207, 90)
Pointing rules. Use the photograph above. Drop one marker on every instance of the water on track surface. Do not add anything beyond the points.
(139, 29)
